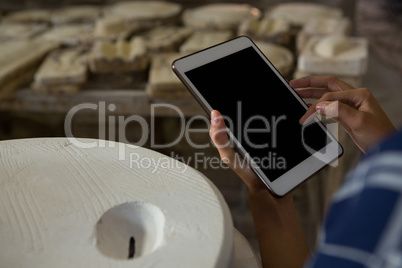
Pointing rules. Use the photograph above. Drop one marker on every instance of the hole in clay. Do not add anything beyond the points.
(130, 230)
(131, 249)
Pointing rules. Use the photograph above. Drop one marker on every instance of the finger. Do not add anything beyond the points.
(309, 115)
(311, 93)
(329, 82)
(345, 115)
(350, 98)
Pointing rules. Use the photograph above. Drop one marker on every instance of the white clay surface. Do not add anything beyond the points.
(113, 27)
(331, 46)
(29, 16)
(142, 221)
(110, 25)
(219, 16)
(62, 66)
(245, 256)
(76, 14)
(19, 58)
(279, 56)
(162, 82)
(202, 40)
(69, 34)
(320, 27)
(265, 27)
(53, 195)
(144, 10)
(271, 30)
(20, 31)
(120, 56)
(166, 38)
(299, 13)
(324, 26)
(335, 55)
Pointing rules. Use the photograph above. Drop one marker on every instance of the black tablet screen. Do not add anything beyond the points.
(260, 111)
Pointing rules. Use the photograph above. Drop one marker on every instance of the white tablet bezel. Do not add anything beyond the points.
(293, 177)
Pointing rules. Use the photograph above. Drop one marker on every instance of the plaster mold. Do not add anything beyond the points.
(166, 38)
(219, 16)
(146, 13)
(69, 34)
(245, 257)
(29, 16)
(205, 39)
(20, 31)
(66, 203)
(335, 55)
(281, 57)
(18, 62)
(162, 82)
(298, 14)
(113, 27)
(62, 72)
(118, 57)
(76, 14)
(268, 30)
(130, 230)
(321, 27)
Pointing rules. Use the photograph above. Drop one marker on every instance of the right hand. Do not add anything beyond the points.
(356, 110)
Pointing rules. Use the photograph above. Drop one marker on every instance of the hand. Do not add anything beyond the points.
(218, 134)
(281, 239)
(356, 110)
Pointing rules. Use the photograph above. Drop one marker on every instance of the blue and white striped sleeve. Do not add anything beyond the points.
(363, 227)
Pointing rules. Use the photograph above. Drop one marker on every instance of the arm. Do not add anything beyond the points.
(282, 243)
(281, 239)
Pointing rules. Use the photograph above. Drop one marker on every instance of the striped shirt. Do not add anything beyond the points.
(363, 227)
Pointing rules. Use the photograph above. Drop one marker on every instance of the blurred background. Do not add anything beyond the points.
(56, 57)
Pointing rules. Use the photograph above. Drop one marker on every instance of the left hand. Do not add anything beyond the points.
(218, 134)
(281, 239)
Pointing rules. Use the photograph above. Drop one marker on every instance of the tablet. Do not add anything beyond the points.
(261, 112)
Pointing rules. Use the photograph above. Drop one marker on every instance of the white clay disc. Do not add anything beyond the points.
(67, 206)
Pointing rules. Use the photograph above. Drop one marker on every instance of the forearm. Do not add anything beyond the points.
(281, 239)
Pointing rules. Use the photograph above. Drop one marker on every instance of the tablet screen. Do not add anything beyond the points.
(259, 110)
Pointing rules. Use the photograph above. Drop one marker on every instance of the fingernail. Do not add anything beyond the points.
(214, 118)
(320, 107)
